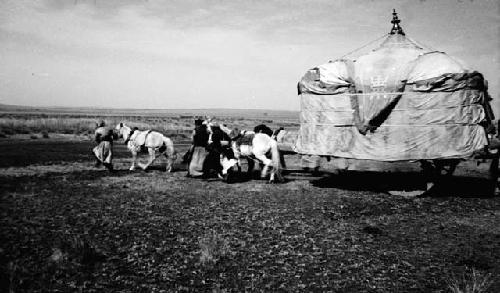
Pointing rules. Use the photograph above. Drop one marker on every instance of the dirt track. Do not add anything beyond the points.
(67, 226)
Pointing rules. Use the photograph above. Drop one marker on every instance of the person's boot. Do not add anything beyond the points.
(109, 167)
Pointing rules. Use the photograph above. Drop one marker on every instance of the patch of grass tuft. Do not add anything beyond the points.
(470, 281)
(84, 250)
(213, 247)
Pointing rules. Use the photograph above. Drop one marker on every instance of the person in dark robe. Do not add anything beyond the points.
(197, 153)
(215, 149)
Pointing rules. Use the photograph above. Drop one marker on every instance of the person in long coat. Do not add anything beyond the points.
(104, 150)
(198, 152)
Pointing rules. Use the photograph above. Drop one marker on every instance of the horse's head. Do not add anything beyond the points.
(235, 133)
(279, 134)
(226, 129)
(111, 134)
(123, 131)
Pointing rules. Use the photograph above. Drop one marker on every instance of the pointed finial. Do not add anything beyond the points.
(396, 28)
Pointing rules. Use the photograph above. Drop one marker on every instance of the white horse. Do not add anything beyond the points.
(152, 140)
(261, 145)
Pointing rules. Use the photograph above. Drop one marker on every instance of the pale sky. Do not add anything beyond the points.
(214, 54)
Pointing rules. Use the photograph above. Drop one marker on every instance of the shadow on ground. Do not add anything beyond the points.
(458, 186)
(26, 181)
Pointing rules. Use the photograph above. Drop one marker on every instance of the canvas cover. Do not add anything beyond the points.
(399, 102)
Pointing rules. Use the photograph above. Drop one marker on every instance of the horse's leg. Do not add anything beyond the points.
(134, 160)
(151, 159)
(262, 157)
(238, 159)
(276, 157)
(282, 160)
(239, 164)
(170, 162)
(251, 166)
(237, 155)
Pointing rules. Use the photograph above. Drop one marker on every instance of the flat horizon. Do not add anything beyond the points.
(136, 109)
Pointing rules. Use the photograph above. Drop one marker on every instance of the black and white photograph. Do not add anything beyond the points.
(250, 146)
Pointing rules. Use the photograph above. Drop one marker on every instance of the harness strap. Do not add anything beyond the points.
(129, 136)
(132, 132)
(146, 136)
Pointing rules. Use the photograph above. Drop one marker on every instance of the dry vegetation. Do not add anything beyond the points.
(471, 281)
(69, 227)
(175, 123)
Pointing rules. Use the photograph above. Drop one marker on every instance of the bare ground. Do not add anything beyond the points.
(68, 226)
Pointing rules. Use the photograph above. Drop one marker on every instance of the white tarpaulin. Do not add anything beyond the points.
(398, 102)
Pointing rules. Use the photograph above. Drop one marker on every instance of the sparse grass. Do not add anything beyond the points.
(470, 281)
(26, 125)
(217, 289)
(84, 250)
(213, 247)
(74, 228)
(171, 124)
(13, 269)
(71, 228)
(83, 126)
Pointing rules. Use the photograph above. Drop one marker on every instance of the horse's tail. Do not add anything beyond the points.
(170, 151)
(275, 159)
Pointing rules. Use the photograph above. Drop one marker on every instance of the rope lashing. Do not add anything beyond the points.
(421, 44)
(364, 46)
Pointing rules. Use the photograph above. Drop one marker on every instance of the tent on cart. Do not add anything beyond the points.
(398, 102)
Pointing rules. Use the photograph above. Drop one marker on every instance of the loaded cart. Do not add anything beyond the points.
(399, 102)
